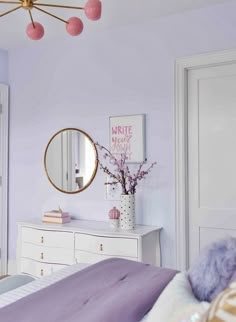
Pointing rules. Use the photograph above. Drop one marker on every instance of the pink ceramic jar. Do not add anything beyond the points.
(114, 215)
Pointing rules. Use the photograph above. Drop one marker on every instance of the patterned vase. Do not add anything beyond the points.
(127, 212)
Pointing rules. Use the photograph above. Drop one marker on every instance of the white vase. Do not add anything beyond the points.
(127, 212)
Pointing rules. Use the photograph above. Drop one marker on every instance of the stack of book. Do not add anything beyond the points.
(56, 217)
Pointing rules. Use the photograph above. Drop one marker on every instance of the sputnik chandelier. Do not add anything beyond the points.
(74, 25)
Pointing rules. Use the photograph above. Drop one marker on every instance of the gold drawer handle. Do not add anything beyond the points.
(42, 240)
(101, 247)
(41, 272)
(42, 255)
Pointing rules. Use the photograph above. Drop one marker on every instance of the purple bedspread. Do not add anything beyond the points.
(114, 290)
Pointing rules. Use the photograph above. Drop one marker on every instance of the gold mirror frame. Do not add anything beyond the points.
(95, 165)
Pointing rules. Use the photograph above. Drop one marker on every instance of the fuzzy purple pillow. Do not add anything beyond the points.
(213, 270)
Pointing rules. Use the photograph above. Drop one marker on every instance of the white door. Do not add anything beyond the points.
(3, 176)
(211, 155)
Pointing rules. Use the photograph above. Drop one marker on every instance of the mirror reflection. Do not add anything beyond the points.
(70, 160)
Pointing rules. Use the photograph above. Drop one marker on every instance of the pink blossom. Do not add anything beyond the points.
(120, 174)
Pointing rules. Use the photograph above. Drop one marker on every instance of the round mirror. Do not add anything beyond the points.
(70, 160)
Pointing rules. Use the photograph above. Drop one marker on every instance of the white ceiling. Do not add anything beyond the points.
(115, 13)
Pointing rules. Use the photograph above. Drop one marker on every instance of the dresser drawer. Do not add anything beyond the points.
(47, 254)
(47, 237)
(37, 269)
(111, 246)
(91, 258)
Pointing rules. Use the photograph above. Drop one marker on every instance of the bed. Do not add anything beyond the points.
(175, 292)
(111, 290)
(121, 290)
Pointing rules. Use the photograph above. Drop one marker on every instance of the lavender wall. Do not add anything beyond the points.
(3, 66)
(80, 83)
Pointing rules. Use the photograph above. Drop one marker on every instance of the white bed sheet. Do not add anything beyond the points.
(177, 303)
(20, 292)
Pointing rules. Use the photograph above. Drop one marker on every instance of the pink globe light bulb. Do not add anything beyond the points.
(93, 9)
(74, 26)
(35, 32)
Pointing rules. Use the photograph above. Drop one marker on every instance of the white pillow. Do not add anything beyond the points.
(177, 303)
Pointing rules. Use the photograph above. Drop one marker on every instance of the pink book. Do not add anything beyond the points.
(56, 214)
(56, 220)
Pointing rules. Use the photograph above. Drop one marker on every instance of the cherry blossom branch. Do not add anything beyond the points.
(122, 174)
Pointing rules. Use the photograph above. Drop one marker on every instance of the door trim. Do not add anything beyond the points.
(182, 66)
(4, 94)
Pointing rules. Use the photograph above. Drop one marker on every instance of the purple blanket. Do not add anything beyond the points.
(114, 290)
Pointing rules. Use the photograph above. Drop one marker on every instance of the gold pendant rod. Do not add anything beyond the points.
(58, 6)
(10, 2)
(31, 18)
(50, 14)
(9, 11)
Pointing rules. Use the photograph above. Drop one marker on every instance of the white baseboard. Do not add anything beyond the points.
(12, 267)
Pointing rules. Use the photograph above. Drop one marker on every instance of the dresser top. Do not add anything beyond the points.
(91, 226)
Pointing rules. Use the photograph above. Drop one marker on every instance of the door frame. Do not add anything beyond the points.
(182, 66)
(4, 98)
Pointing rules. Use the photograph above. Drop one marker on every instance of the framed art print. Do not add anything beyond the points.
(127, 135)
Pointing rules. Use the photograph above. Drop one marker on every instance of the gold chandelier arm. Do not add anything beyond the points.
(50, 14)
(9, 11)
(58, 6)
(31, 18)
(11, 2)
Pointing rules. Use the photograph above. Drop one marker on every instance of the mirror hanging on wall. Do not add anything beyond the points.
(70, 160)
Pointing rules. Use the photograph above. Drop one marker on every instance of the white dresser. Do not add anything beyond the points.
(44, 248)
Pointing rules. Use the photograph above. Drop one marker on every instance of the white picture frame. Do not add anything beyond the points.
(127, 135)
